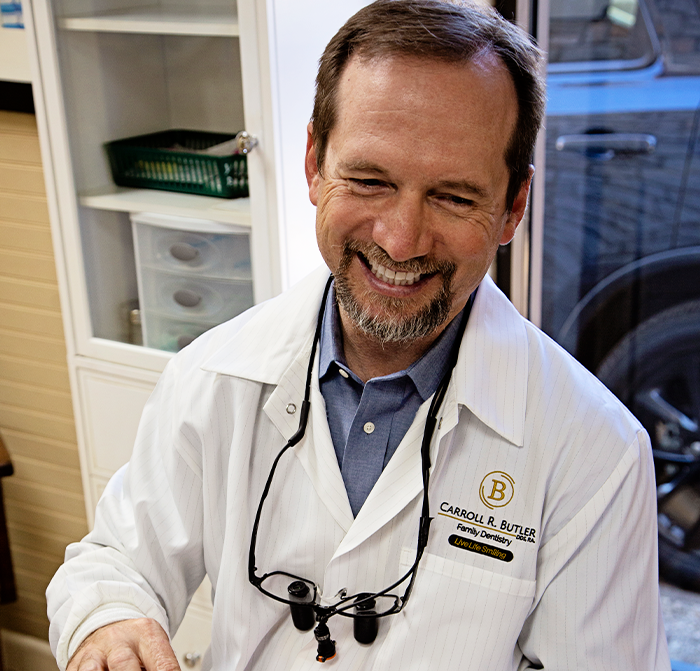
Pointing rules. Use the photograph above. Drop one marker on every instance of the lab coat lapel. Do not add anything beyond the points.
(400, 482)
(317, 456)
(273, 347)
(492, 369)
(315, 450)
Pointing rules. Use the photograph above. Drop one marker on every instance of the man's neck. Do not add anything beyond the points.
(368, 358)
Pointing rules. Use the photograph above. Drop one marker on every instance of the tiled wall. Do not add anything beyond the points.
(43, 499)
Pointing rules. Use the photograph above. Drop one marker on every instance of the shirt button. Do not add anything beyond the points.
(291, 408)
(369, 427)
(343, 373)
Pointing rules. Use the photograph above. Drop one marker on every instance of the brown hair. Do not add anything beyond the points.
(446, 30)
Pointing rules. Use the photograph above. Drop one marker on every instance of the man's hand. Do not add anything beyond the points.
(128, 645)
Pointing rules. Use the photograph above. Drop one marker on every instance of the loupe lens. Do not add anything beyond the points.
(366, 625)
(302, 613)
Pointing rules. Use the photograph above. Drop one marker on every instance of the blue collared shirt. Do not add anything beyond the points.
(368, 421)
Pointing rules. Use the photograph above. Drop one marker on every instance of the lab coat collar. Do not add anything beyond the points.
(263, 349)
(490, 377)
(492, 368)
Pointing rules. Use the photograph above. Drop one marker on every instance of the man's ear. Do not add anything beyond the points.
(311, 166)
(517, 212)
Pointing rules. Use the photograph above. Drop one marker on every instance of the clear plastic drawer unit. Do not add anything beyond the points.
(192, 274)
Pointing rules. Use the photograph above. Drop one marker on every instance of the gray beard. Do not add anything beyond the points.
(394, 326)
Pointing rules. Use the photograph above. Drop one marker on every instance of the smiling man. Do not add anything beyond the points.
(411, 198)
(387, 466)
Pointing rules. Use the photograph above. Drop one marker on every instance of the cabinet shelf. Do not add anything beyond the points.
(212, 21)
(227, 211)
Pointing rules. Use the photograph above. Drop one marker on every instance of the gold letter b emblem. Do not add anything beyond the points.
(498, 491)
(501, 486)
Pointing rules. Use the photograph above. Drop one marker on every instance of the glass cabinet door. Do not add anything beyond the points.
(621, 235)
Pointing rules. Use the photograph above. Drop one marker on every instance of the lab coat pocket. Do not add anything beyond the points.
(459, 616)
(449, 568)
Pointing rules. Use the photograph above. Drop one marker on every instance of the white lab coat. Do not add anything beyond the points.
(522, 424)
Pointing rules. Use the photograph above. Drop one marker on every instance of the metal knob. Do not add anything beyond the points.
(191, 658)
(246, 142)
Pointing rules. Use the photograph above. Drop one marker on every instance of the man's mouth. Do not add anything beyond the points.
(398, 278)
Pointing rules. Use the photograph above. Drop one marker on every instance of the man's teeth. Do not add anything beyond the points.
(398, 278)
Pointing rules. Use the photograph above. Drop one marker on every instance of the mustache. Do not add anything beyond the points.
(375, 254)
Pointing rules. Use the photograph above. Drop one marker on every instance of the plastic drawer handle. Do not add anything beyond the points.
(184, 252)
(187, 298)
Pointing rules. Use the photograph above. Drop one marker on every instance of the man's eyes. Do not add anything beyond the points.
(458, 200)
(373, 185)
(368, 185)
(450, 200)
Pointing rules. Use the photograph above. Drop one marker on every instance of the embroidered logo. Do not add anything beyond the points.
(496, 490)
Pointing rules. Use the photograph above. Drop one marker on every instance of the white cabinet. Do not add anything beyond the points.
(111, 69)
(112, 405)
(103, 70)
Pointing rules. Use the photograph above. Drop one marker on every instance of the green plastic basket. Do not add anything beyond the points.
(167, 160)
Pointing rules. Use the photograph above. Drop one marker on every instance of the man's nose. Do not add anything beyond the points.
(402, 228)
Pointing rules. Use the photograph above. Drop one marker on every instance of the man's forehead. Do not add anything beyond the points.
(485, 60)
(474, 95)
(367, 75)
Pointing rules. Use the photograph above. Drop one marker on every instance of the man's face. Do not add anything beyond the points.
(411, 202)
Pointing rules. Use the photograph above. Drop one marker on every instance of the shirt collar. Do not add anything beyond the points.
(425, 373)
(331, 344)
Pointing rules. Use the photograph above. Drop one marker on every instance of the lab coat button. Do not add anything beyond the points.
(291, 408)
(369, 427)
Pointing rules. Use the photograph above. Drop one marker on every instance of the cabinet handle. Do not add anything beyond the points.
(191, 658)
(246, 142)
(187, 298)
(183, 252)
